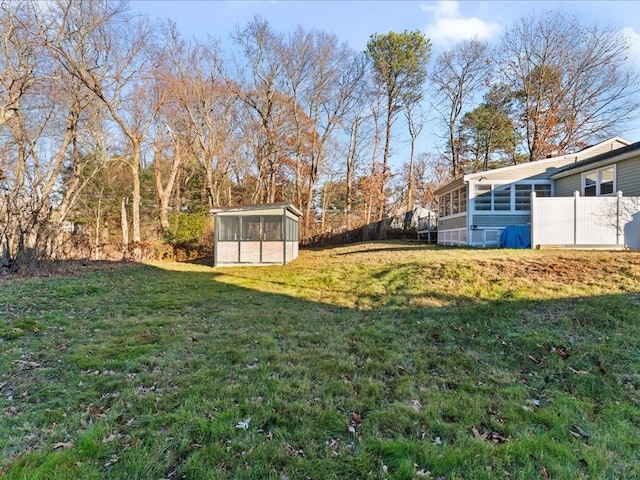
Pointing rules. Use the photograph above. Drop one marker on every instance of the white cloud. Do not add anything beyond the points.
(450, 27)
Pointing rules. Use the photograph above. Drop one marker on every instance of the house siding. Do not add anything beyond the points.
(452, 223)
(627, 180)
(567, 186)
(500, 221)
(529, 171)
(628, 177)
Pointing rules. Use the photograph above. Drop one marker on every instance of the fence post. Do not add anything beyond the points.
(576, 196)
(618, 201)
(533, 209)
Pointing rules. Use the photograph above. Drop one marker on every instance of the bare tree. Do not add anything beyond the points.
(45, 110)
(321, 76)
(106, 48)
(457, 77)
(572, 82)
(257, 89)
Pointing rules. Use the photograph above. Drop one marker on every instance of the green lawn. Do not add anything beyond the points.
(372, 361)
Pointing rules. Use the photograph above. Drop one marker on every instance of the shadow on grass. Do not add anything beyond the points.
(143, 372)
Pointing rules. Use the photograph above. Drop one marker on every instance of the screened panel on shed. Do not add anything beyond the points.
(272, 228)
(292, 230)
(251, 228)
(229, 228)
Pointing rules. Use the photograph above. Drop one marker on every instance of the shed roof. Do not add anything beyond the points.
(266, 206)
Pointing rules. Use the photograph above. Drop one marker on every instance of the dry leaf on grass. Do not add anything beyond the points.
(62, 445)
(243, 425)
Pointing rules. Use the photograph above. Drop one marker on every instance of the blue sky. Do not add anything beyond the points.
(443, 22)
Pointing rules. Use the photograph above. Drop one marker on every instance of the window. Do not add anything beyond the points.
(523, 194)
(483, 197)
(606, 181)
(599, 182)
(502, 198)
(507, 198)
(452, 203)
(590, 181)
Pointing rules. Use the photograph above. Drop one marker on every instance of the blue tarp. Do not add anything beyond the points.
(516, 237)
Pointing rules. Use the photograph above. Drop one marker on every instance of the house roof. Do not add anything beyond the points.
(266, 206)
(570, 157)
(601, 160)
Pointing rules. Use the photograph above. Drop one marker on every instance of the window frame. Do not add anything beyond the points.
(595, 176)
(453, 203)
(508, 190)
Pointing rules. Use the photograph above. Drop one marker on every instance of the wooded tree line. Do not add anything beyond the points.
(119, 133)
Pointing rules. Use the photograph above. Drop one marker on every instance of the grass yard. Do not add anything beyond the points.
(372, 361)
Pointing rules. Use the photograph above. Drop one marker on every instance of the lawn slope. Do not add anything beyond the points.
(373, 361)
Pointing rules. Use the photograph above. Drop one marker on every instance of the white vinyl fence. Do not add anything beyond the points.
(588, 222)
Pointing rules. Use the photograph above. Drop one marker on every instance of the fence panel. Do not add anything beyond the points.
(596, 221)
(585, 221)
(552, 221)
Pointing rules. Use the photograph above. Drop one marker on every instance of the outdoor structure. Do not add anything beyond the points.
(256, 235)
(477, 208)
(427, 226)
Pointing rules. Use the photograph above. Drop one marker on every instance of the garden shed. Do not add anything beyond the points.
(256, 235)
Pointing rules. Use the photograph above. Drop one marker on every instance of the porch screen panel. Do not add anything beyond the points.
(502, 198)
(523, 197)
(455, 202)
(483, 197)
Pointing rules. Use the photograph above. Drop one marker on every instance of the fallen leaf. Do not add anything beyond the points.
(111, 437)
(62, 445)
(534, 359)
(578, 372)
(497, 437)
(356, 418)
(294, 451)
(578, 432)
(244, 425)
